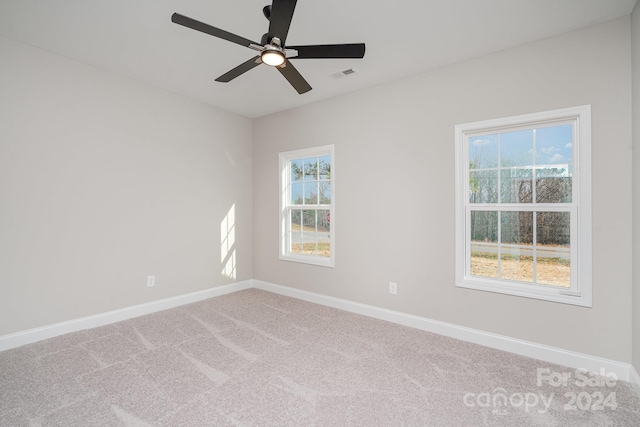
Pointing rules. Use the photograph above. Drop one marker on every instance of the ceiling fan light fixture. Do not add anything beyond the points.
(272, 56)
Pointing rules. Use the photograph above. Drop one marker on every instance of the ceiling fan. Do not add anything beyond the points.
(272, 48)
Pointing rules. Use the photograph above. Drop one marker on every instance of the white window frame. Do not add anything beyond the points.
(285, 205)
(580, 207)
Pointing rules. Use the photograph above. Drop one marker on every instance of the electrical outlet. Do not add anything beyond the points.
(151, 281)
(393, 288)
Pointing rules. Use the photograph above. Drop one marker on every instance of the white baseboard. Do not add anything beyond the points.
(634, 379)
(37, 334)
(623, 371)
(524, 348)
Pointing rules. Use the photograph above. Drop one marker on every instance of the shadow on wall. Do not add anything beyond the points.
(227, 243)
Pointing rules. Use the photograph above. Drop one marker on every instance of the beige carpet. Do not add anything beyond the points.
(254, 358)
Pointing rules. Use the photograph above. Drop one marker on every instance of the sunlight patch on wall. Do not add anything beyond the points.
(227, 243)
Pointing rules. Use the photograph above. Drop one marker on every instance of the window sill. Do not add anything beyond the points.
(309, 259)
(546, 293)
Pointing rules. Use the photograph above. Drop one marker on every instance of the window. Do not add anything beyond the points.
(307, 220)
(523, 205)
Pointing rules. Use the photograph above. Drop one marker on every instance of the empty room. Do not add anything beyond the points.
(319, 213)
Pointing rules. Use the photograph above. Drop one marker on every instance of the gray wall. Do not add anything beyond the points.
(104, 181)
(394, 172)
(635, 56)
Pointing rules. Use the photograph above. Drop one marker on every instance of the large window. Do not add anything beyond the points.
(307, 220)
(523, 205)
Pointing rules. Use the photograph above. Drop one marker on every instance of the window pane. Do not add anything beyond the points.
(516, 148)
(324, 233)
(296, 217)
(311, 193)
(554, 267)
(296, 170)
(516, 263)
(553, 228)
(484, 259)
(554, 145)
(516, 228)
(324, 221)
(309, 220)
(325, 167)
(483, 186)
(516, 249)
(484, 226)
(296, 193)
(296, 242)
(553, 250)
(553, 185)
(310, 169)
(295, 233)
(484, 243)
(324, 246)
(483, 152)
(516, 185)
(324, 188)
(310, 242)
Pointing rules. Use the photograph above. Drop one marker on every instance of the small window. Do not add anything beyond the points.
(523, 205)
(307, 219)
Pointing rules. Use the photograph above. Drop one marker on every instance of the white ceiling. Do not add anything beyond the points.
(136, 38)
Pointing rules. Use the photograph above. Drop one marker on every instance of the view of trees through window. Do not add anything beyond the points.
(520, 201)
(310, 202)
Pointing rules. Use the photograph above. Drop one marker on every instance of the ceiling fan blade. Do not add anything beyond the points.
(293, 76)
(208, 29)
(240, 69)
(350, 50)
(280, 19)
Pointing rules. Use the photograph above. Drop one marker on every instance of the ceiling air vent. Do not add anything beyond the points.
(343, 73)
